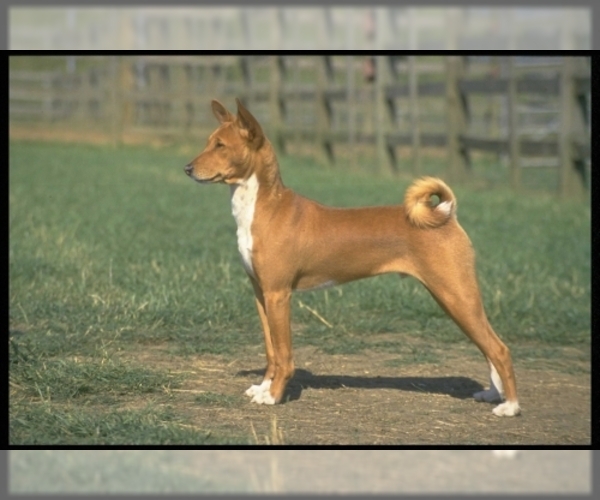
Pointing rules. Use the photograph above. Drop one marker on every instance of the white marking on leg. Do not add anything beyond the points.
(243, 202)
(496, 391)
(253, 390)
(507, 409)
(261, 394)
(264, 398)
(505, 453)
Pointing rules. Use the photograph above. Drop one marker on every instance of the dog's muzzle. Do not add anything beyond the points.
(189, 170)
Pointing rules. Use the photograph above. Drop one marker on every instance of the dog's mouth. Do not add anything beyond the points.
(208, 180)
(211, 180)
(189, 170)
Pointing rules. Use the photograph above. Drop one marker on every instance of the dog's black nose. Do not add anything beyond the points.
(188, 169)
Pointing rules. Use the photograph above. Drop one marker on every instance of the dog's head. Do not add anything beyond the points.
(231, 150)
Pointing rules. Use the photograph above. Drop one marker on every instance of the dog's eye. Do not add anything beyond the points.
(220, 145)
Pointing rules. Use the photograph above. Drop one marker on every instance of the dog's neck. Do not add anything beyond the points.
(266, 168)
(264, 175)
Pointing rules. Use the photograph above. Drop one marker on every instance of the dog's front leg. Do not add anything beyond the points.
(256, 391)
(277, 308)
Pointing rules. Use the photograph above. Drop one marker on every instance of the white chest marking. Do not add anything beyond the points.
(243, 201)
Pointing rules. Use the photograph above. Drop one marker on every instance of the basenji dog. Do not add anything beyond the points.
(288, 242)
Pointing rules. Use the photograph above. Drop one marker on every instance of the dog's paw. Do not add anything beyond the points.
(263, 398)
(505, 453)
(254, 390)
(490, 395)
(507, 409)
(260, 393)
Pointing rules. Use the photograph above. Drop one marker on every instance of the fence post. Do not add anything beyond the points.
(514, 140)
(324, 139)
(116, 108)
(571, 180)
(351, 106)
(386, 156)
(85, 94)
(277, 102)
(125, 98)
(583, 113)
(246, 65)
(210, 72)
(180, 82)
(413, 96)
(456, 119)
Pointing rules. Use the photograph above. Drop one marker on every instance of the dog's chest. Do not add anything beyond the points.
(243, 203)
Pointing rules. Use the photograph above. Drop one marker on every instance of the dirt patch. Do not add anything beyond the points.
(373, 398)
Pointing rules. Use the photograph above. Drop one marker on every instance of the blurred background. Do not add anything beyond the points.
(294, 27)
(519, 121)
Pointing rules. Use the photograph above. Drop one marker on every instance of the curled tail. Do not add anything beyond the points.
(419, 208)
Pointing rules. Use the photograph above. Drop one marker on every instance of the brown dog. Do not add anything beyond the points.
(288, 242)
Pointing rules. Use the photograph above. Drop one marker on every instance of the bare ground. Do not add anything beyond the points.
(371, 398)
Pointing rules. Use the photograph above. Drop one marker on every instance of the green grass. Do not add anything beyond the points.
(114, 251)
(70, 424)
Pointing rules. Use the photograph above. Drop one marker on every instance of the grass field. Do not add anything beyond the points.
(125, 278)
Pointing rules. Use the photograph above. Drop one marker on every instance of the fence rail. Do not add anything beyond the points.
(537, 114)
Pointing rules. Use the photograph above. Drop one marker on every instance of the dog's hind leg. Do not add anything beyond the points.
(495, 394)
(457, 292)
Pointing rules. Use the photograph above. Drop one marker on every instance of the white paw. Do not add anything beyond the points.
(507, 409)
(260, 393)
(253, 390)
(505, 453)
(490, 395)
(263, 398)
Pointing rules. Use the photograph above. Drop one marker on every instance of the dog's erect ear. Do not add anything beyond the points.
(220, 112)
(249, 126)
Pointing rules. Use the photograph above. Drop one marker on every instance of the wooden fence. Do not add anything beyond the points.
(333, 102)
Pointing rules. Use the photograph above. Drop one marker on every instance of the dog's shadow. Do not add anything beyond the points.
(456, 387)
